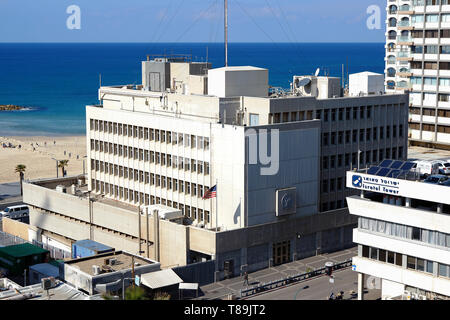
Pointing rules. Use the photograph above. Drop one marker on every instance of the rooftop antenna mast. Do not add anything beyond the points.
(226, 33)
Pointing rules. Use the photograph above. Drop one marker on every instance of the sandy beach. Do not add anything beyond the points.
(36, 154)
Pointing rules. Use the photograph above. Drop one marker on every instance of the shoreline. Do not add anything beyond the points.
(39, 154)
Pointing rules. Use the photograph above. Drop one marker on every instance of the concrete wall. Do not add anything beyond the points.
(298, 166)
(15, 228)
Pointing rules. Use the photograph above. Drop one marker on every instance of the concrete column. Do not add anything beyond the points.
(361, 279)
(243, 259)
(408, 202)
(318, 242)
(435, 269)
(294, 249)
(270, 255)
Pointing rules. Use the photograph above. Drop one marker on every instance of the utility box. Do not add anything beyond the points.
(238, 81)
(366, 84)
(88, 248)
(19, 257)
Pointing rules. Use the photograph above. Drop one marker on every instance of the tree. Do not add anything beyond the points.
(136, 293)
(20, 168)
(62, 164)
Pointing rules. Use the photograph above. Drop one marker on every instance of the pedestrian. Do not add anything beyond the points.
(245, 279)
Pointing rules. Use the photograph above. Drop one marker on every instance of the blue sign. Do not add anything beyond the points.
(357, 181)
(354, 267)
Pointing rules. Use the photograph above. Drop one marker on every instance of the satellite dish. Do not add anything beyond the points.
(303, 82)
(317, 72)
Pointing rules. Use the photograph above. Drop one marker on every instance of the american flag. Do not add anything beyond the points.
(211, 193)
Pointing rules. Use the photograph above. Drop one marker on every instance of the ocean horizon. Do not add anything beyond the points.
(57, 80)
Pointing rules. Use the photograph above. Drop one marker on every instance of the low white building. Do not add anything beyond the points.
(403, 232)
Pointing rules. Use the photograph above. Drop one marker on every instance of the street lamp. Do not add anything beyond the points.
(57, 176)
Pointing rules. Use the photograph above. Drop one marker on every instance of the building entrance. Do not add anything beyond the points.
(281, 252)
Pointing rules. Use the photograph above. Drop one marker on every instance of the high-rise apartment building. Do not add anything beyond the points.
(418, 61)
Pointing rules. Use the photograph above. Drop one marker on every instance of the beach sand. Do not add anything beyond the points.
(38, 157)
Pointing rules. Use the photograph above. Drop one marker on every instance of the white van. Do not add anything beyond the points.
(427, 168)
(15, 212)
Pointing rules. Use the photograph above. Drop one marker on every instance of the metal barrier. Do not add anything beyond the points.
(292, 279)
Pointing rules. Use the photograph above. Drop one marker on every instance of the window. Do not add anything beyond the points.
(399, 259)
(382, 255)
(374, 253)
(443, 270)
(391, 257)
(365, 251)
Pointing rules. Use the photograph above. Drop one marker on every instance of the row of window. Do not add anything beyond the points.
(350, 113)
(418, 18)
(368, 134)
(333, 205)
(326, 115)
(405, 232)
(370, 156)
(429, 65)
(156, 180)
(150, 134)
(430, 49)
(429, 81)
(140, 198)
(167, 160)
(429, 127)
(445, 33)
(412, 263)
(430, 112)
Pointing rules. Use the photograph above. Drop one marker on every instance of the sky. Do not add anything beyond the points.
(189, 21)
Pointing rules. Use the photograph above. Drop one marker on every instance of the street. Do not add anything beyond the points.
(320, 289)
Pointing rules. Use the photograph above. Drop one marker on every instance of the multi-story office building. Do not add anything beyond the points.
(188, 128)
(418, 61)
(403, 232)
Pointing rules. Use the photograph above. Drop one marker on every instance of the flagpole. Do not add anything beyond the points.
(217, 206)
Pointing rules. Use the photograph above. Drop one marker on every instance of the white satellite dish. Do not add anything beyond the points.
(303, 82)
(317, 72)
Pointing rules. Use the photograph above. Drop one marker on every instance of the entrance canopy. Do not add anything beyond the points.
(160, 279)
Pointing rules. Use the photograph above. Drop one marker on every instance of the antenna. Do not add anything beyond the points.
(317, 72)
(226, 33)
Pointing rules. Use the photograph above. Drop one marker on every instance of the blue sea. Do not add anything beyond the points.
(57, 81)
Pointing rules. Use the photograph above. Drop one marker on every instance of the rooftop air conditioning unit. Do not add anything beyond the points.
(96, 270)
(112, 261)
(48, 283)
(61, 189)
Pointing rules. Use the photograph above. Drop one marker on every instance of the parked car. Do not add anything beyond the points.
(15, 212)
(444, 167)
(427, 168)
(436, 179)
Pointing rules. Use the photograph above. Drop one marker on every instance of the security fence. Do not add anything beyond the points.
(292, 279)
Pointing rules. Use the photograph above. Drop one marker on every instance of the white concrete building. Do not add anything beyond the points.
(167, 141)
(403, 232)
(418, 61)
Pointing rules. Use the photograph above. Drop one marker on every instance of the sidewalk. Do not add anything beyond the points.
(220, 290)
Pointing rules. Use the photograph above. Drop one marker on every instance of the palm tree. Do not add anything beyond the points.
(62, 164)
(20, 168)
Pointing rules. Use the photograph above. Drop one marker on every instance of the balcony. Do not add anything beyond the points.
(405, 40)
(404, 56)
(406, 10)
(405, 25)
